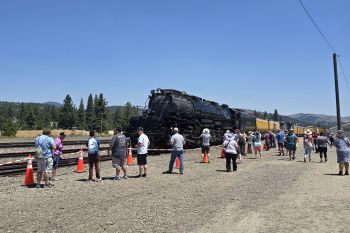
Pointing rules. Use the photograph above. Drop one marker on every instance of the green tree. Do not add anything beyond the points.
(30, 119)
(67, 114)
(101, 113)
(9, 129)
(265, 116)
(89, 113)
(22, 116)
(81, 115)
(276, 116)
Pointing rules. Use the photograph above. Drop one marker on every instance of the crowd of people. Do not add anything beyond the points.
(235, 145)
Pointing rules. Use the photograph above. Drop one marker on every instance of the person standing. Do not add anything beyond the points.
(177, 142)
(142, 152)
(322, 142)
(93, 147)
(291, 141)
(342, 144)
(231, 151)
(205, 136)
(241, 142)
(118, 146)
(257, 143)
(250, 142)
(45, 146)
(308, 145)
(267, 140)
(280, 140)
(331, 139)
(57, 154)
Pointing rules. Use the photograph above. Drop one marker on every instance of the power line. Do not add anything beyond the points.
(344, 76)
(317, 27)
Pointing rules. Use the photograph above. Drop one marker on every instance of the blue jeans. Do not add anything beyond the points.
(181, 156)
(308, 151)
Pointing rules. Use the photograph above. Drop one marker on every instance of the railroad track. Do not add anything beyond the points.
(18, 168)
(24, 154)
(32, 144)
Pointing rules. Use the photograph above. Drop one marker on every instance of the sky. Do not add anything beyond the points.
(253, 54)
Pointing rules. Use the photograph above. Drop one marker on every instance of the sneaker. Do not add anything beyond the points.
(125, 177)
(309, 160)
(321, 160)
(325, 160)
(48, 185)
(117, 178)
(346, 173)
(98, 180)
(167, 172)
(38, 186)
(340, 173)
(144, 175)
(181, 173)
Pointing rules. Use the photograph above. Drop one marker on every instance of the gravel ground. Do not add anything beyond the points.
(268, 195)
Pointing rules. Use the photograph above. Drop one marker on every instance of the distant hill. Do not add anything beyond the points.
(314, 119)
(55, 104)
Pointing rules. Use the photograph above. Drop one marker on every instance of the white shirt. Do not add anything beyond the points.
(143, 144)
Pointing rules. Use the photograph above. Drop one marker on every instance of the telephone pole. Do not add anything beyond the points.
(336, 90)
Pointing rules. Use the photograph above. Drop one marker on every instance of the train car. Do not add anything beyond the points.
(274, 126)
(262, 125)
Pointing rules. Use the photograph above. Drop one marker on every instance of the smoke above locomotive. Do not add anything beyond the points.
(169, 108)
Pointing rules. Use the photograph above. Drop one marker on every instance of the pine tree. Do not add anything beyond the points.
(265, 116)
(129, 111)
(276, 115)
(118, 120)
(22, 115)
(30, 119)
(89, 113)
(67, 114)
(81, 115)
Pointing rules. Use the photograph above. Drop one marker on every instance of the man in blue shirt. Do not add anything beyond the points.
(45, 164)
(280, 139)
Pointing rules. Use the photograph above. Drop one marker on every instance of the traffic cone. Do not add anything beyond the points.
(222, 155)
(205, 158)
(177, 163)
(130, 161)
(29, 178)
(80, 166)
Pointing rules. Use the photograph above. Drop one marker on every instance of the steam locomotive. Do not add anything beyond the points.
(169, 108)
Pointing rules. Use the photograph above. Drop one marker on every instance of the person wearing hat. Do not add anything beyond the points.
(57, 154)
(342, 144)
(231, 152)
(142, 152)
(205, 136)
(308, 145)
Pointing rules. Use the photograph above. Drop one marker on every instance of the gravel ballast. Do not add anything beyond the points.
(268, 195)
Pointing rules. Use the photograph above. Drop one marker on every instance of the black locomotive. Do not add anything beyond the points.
(171, 108)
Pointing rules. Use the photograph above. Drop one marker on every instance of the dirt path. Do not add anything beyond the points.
(268, 195)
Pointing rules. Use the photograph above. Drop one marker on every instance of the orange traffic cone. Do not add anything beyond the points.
(29, 178)
(222, 155)
(205, 158)
(177, 163)
(80, 166)
(130, 161)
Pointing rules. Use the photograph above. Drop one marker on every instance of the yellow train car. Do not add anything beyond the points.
(262, 125)
(274, 126)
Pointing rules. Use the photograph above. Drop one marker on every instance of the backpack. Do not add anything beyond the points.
(92, 146)
(39, 152)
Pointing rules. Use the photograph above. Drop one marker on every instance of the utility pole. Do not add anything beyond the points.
(336, 90)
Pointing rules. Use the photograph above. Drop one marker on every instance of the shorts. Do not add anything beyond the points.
(56, 160)
(45, 165)
(205, 149)
(141, 159)
(118, 162)
(257, 148)
(280, 145)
